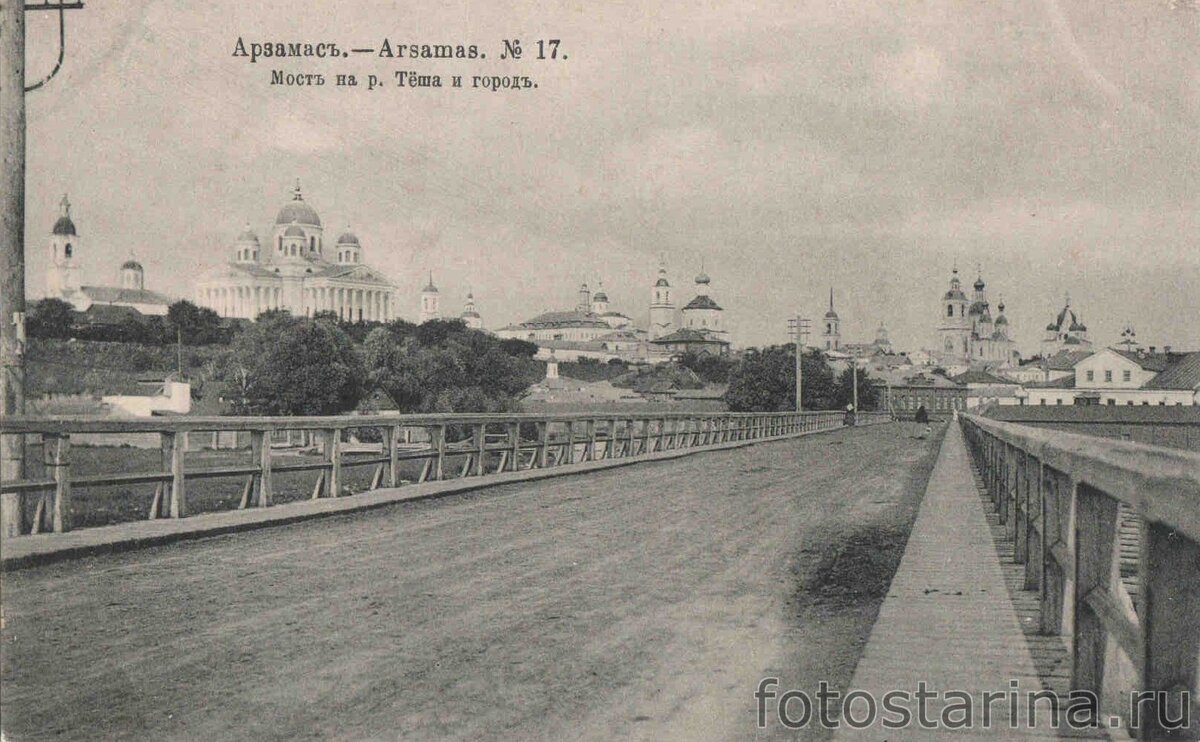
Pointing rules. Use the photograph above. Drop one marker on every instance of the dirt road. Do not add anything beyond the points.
(644, 601)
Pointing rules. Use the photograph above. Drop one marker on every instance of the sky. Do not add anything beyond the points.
(785, 147)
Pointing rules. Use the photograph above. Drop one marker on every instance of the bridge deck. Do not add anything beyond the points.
(956, 617)
(641, 602)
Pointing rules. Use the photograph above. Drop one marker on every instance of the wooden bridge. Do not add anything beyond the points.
(1038, 561)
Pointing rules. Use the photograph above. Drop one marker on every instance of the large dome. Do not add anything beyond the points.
(297, 211)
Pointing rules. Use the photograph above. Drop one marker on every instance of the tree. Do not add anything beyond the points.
(51, 318)
(868, 392)
(194, 325)
(765, 381)
(446, 367)
(711, 368)
(293, 366)
(520, 348)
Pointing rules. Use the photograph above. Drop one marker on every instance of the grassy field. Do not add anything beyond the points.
(640, 602)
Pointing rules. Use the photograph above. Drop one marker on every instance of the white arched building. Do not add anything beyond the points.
(296, 271)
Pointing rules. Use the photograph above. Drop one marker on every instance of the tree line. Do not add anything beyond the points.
(321, 365)
(764, 380)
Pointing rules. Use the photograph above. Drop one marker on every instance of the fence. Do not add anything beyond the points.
(452, 446)
(1061, 497)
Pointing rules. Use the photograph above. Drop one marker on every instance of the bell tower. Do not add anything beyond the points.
(831, 330)
(62, 274)
(662, 308)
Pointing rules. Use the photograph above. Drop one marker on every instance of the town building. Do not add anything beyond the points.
(594, 329)
(967, 332)
(470, 315)
(1065, 332)
(297, 272)
(831, 327)
(1113, 376)
(662, 306)
(62, 275)
(703, 315)
(430, 302)
(905, 394)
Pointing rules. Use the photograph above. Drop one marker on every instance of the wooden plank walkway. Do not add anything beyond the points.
(951, 622)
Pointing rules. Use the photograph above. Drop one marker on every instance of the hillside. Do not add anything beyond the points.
(91, 367)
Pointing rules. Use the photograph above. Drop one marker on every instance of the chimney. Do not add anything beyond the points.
(1151, 348)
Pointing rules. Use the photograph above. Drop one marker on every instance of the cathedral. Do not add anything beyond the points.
(1065, 332)
(968, 334)
(62, 275)
(296, 271)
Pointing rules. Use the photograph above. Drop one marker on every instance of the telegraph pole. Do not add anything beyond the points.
(12, 253)
(798, 329)
(12, 235)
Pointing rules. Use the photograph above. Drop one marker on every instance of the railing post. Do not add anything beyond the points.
(589, 448)
(260, 449)
(514, 443)
(571, 442)
(1035, 527)
(543, 429)
(439, 463)
(1095, 547)
(1170, 595)
(391, 439)
(480, 448)
(333, 442)
(173, 446)
(1053, 572)
(1021, 507)
(59, 458)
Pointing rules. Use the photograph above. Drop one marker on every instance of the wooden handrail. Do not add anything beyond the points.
(1061, 496)
(494, 443)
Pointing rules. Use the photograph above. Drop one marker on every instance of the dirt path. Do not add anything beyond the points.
(645, 601)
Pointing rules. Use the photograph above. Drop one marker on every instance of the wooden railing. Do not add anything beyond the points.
(1062, 497)
(448, 447)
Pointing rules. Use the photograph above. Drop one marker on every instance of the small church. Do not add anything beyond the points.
(62, 275)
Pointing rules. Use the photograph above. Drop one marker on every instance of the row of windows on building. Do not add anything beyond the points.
(1126, 375)
(934, 403)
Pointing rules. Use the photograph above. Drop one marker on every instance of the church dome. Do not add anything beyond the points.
(979, 284)
(662, 282)
(703, 279)
(248, 235)
(954, 295)
(64, 226)
(297, 211)
(429, 287)
(1002, 320)
(347, 238)
(600, 296)
(831, 314)
(293, 231)
(131, 265)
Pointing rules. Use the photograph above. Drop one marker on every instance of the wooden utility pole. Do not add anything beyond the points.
(12, 253)
(798, 328)
(12, 235)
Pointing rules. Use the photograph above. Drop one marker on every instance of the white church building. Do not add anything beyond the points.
(64, 268)
(297, 271)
